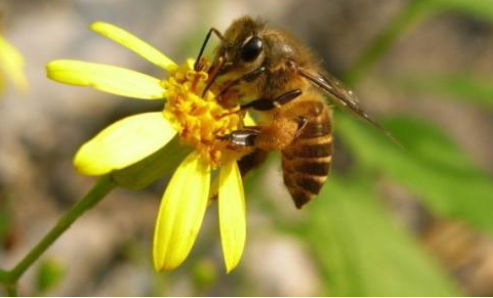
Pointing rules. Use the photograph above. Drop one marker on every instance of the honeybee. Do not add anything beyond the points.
(290, 89)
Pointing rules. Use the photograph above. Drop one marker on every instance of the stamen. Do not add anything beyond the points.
(196, 114)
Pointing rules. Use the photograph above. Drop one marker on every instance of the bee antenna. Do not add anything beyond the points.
(204, 44)
(213, 75)
(245, 78)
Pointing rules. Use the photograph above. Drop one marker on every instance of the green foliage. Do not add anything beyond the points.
(412, 13)
(4, 223)
(6, 220)
(362, 252)
(431, 166)
(204, 274)
(381, 44)
(482, 9)
(50, 273)
(469, 88)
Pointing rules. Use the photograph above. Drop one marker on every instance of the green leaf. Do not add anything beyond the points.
(363, 253)
(471, 88)
(50, 273)
(413, 13)
(431, 166)
(482, 9)
(410, 14)
(204, 274)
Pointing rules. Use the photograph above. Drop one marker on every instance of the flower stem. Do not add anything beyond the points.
(4, 276)
(97, 193)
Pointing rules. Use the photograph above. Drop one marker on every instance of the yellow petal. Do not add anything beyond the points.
(232, 214)
(107, 78)
(181, 213)
(124, 143)
(134, 44)
(12, 63)
(248, 120)
(2, 83)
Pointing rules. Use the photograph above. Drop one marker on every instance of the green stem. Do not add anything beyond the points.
(4, 276)
(97, 193)
(12, 290)
(384, 40)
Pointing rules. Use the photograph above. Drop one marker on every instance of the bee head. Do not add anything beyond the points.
(243, 47)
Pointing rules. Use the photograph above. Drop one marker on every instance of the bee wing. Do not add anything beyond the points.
(343, 96)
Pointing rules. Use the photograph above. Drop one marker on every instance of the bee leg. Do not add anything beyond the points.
(280, 133)
(206, 40)
(248, 77)
(252, 161)
(275, 136)
(302, 122)
(242, 137)
(264, 104)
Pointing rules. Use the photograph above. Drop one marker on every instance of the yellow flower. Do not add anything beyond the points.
(11, 66)
(195, 119)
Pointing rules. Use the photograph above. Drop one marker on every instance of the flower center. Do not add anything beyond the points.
(199, 120)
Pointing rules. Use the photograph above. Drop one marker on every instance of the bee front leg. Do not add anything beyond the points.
(275, 136)
(264, 104)
(242, 137)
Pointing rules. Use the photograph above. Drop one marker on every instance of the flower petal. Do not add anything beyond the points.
(248, 120)
(12, 63)
(124, 143)
(181, 213)
(232, 214)
(134, 44)
(2, 83)
(107, 78)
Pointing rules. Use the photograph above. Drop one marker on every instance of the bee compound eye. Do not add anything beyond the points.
(251, 49)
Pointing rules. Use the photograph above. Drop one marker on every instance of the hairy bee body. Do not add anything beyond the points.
(290, 90)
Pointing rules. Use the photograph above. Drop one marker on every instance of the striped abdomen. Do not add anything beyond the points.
(306, 162)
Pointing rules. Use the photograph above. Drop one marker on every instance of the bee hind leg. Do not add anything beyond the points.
(252, 161)
(280, 133)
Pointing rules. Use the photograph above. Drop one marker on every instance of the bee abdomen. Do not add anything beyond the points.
(306, 162)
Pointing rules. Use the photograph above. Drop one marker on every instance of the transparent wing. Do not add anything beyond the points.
(342, 96)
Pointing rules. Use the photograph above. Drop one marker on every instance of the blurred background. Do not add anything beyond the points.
(390, 221)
